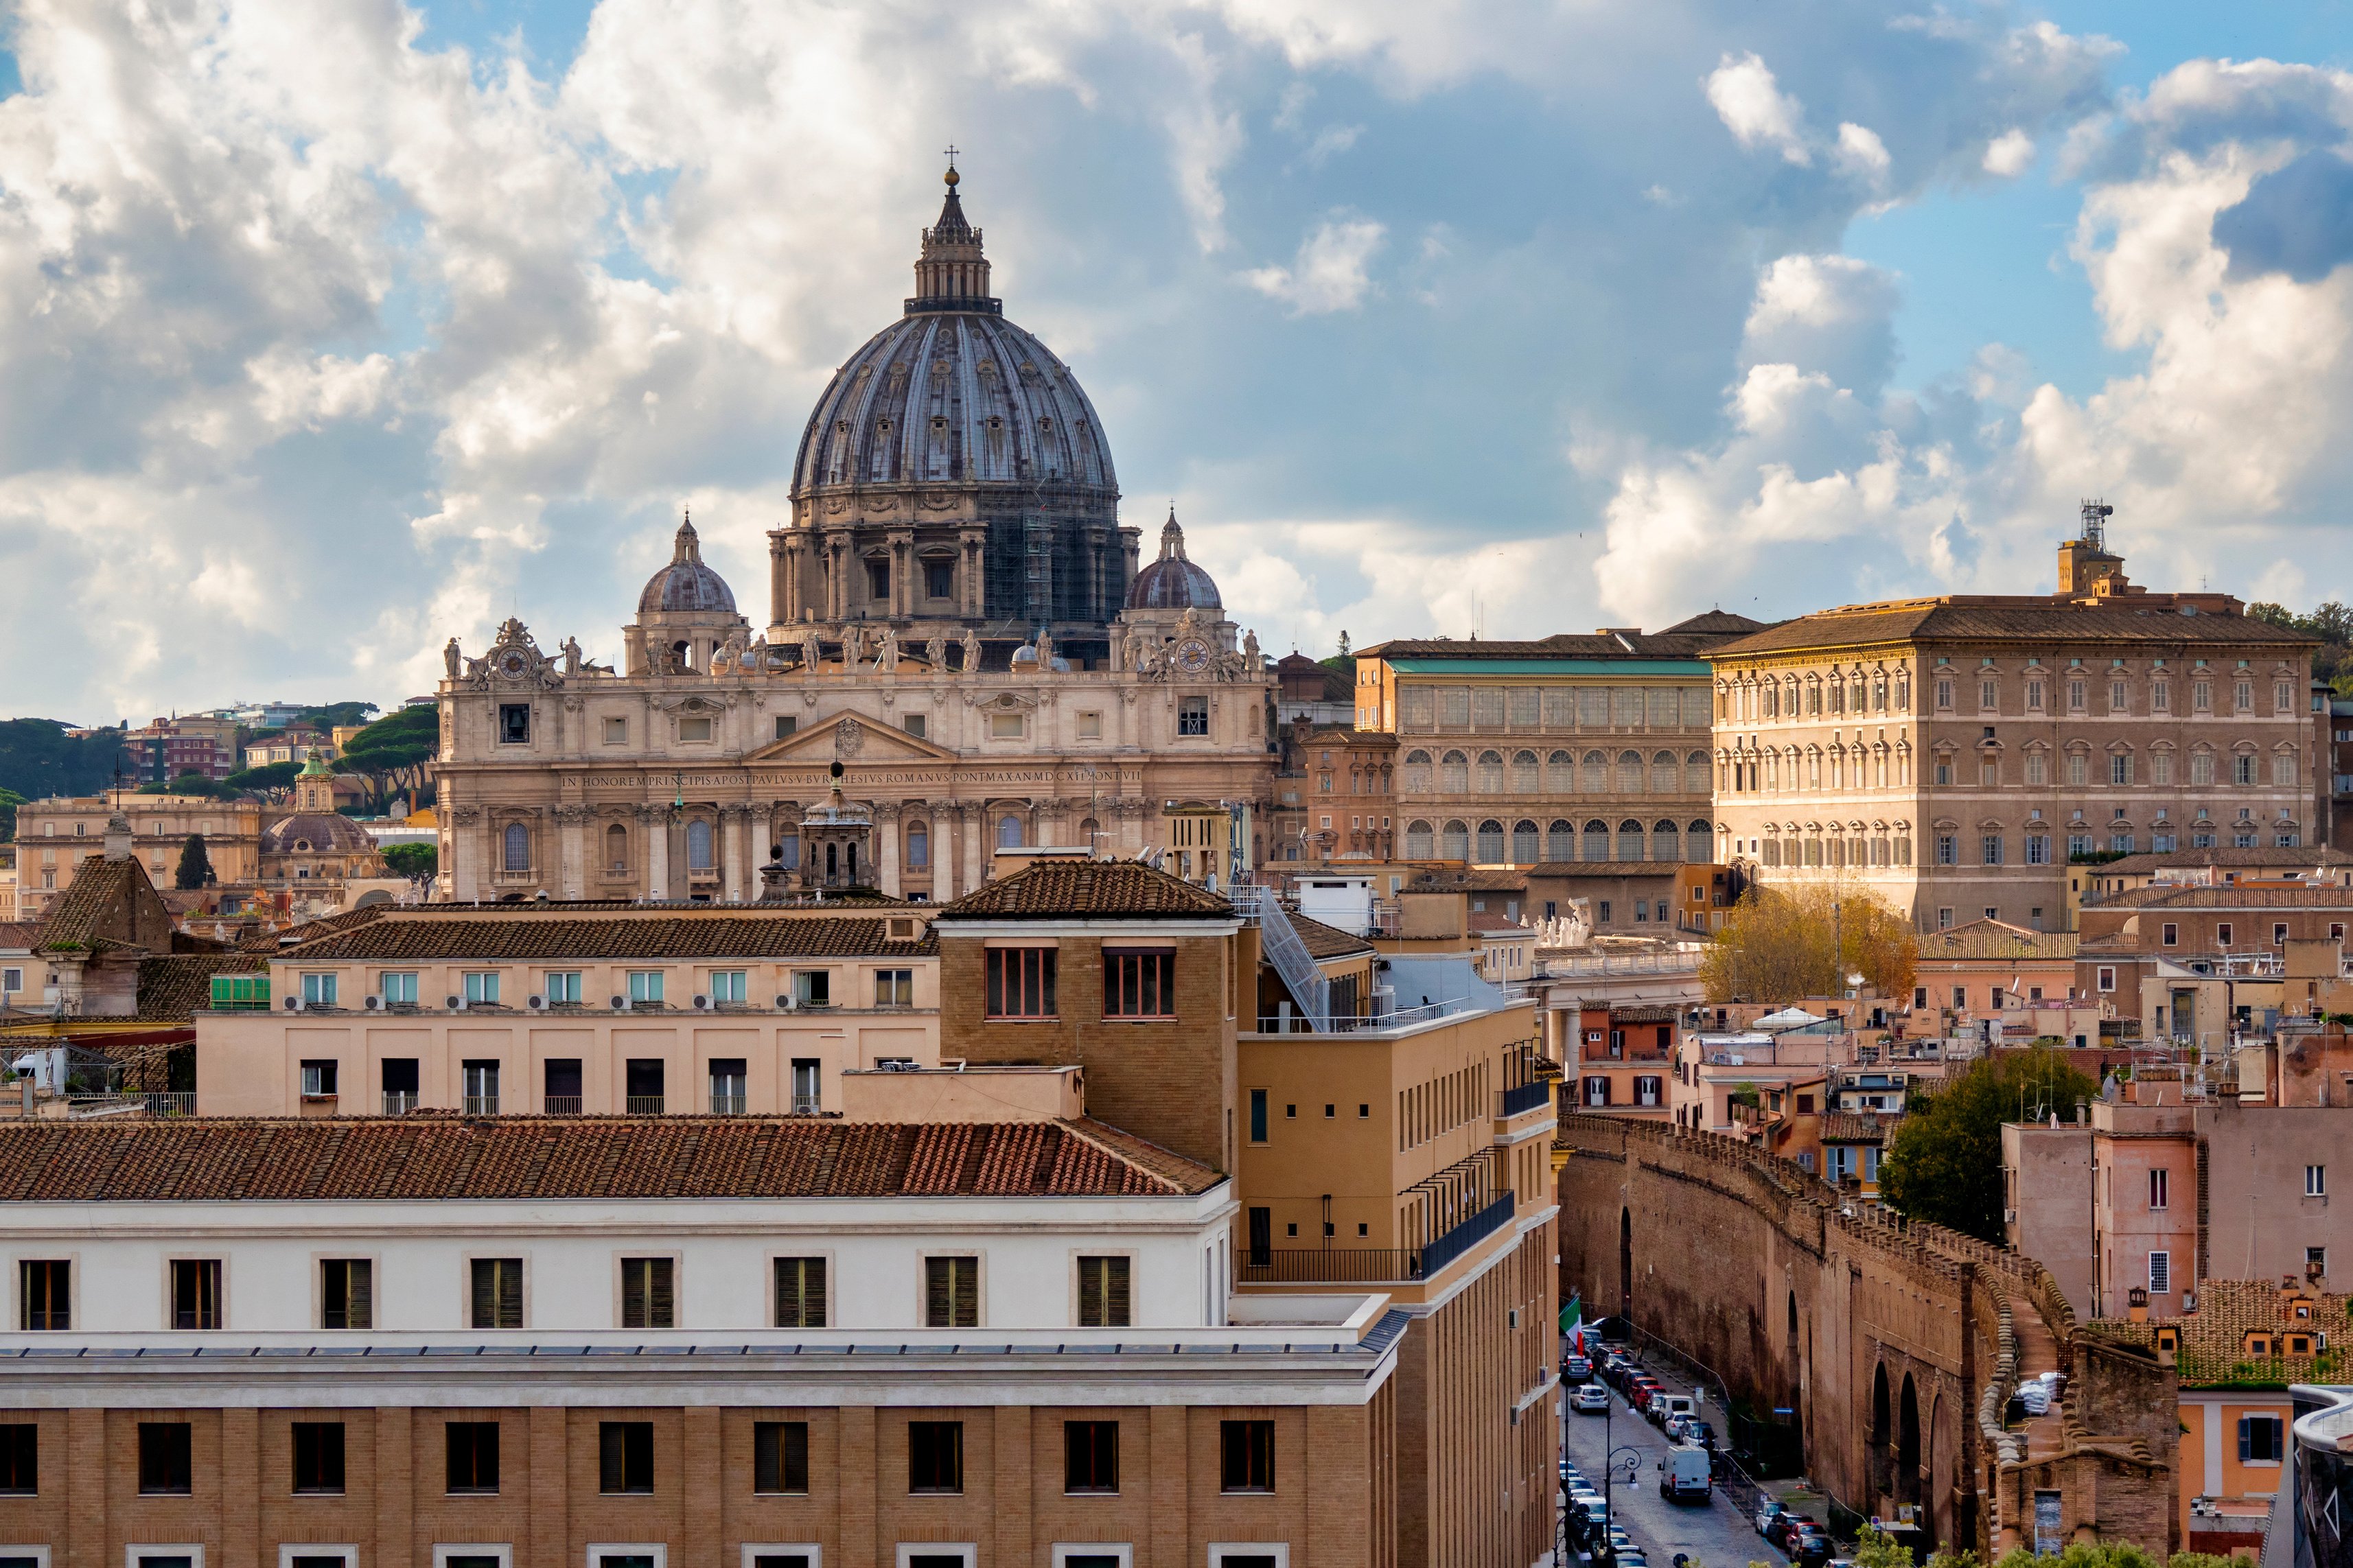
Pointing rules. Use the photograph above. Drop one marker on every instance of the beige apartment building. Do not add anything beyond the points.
(1954, 754)
(1571, 749)
(56, 835)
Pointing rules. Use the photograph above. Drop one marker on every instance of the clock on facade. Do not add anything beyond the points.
(1192, 655)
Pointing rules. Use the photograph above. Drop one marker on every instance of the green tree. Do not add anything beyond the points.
(1944, 1164)
(411, 859)
(196, 867)
(332, 715)
(9, 801)
(391, 753)
(260, 780)
(1781, 943)
(38, 758)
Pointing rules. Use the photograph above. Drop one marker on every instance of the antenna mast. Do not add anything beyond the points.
(2096, 513)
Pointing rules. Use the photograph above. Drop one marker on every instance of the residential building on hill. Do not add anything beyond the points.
(1955, 755)
(1567, 749)
(57, 837)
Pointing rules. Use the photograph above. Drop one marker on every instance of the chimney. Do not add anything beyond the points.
(117, 835)
(2137, 1305)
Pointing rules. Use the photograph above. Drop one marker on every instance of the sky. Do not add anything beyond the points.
(333, 333)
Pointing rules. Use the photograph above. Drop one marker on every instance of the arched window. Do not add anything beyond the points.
(698, 844)
(517, 855)
(617, 848)
(1597, 774)
(1596, 840)
(1560, 775)
(1666, 844)
(1695, 771)
(1417, 772)
(1665, 776)
(1418, 844)
(1008, 831)
(1560, 841)
(1630, 773)
(1526, 773)
(1701, 843)
(1454, 774)
(919, 846)
(1630, 840)
(1491, 773)
(1490, 841)
(1089, 831)
(1454, 841)
(1526, 843)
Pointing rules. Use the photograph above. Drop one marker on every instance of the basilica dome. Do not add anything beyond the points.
(686, 585)
(316, 833)
(1173, 582)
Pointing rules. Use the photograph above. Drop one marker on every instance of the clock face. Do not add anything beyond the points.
(1192, 655)
(511, 664)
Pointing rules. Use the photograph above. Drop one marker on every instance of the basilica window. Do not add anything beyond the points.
(1006, 726)
(698, 844)
(878, 579)
(1630, 840)
(919, 846)
(516, 848)
(1192, 716)
(1008, 831)
(939, 579)
(1490, 841)
(616, 849)
(617, 731)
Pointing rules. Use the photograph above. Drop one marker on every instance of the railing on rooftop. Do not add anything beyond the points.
(723, 1104)
(1396, 1018)
(1683, 960)
(1306, 982)
(163, 1103)
(644, 1104)
(399, 1102)
(1370, 1265)
(482, 1105)
(1511, 1102)
(562, 1105)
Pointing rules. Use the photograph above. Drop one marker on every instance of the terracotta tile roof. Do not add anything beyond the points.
(1996, 939)
(2305, 858)
(1328, 941)
(1858, 1127)
(1493, 922)
(1489, 881)
(2022, 619)
(1601, 869)
(267, 940)
(1096, 887)
(2213, 1339)
(1686, 639)
(100, 886)
(19, 933)
(175, 987)
(427, 937)
(426, 1157)
(2233, 896)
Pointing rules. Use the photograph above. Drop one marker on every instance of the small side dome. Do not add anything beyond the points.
(1173, 582)
(316, 832)
(686, 585)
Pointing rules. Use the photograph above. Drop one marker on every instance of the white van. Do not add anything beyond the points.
(1671, 1404)
(1683, 1474)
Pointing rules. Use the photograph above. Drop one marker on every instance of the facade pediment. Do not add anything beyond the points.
(851, 737)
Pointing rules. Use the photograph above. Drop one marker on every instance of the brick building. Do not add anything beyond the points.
(56, 835)
(1955, 755)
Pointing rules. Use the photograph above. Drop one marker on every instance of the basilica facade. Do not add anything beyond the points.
(957, 617)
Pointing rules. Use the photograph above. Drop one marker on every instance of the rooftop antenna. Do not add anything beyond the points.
(2096, 513)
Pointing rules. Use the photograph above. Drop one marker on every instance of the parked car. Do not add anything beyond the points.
(1576, 1369)
(1674, 1426)
(1590, 1397)
(1768, 1511)
(1680, 1405)
(1809, 1548)
(1640, 1392)
(1683, 1475)
(1699, 1432)
(1786, 1529)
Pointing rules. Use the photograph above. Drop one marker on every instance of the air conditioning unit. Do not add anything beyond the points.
(374, 1004)
(293, 1004)
(701, 1001)
(537, 1003)
(455, 1003)
(783, 1004)
(620, 1004)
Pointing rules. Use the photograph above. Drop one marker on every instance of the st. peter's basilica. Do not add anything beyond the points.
(957, 618)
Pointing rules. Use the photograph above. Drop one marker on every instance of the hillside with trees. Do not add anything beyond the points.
(38, 758)
(2332, 622)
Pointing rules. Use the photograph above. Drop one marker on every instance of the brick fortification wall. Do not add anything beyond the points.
(1896, 1346)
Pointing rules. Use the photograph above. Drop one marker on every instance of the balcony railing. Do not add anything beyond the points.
(171, 1104)
(644, 1104)
(482, 1105)
(1511, 1102)
(1467, 1235)
(807, 1105)
(1370, 1265)
(562, 1105)
(726, 1104)
(399, 1102)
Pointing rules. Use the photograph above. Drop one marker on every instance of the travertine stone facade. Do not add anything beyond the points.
(1951, 754)
(55, 836)
(1570, 749)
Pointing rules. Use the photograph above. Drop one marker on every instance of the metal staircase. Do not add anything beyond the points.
(1283, 947)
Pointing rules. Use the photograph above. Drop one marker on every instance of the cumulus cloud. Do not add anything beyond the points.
(2009, 153)
(1331, 271)
(1755, 110)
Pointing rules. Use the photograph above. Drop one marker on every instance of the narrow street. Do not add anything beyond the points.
(1716, 1534)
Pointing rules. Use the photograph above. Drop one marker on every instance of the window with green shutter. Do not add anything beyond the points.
(1103, 1293)
(497, 1292)
(952, 1292)
(800, 1293)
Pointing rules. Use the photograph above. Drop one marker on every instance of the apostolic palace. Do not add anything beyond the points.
(957, 618)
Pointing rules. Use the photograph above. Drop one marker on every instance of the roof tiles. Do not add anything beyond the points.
(1116, 889)
(434, 937)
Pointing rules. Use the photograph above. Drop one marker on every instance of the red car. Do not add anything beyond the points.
(1639, 1394)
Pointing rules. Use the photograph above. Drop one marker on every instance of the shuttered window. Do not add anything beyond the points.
(800, 1293)
(952, 1292)
(497, 1295)
(346, 1293)
(649, 1297)
(780, 1456)
(1103, 1293)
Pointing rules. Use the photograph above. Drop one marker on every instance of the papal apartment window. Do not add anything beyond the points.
(45, 1285)
(318, 1459)
(1020, 982)
(936, 1456)
(1193, 716)
(649, 1297)
(195, 1293)
(2260, 1439)
(952, 1292)
(20, 1459)
(2315, 1181)
(473, 1451)
(780, 1458)
(625, 1456)
(1103, 1292)
(495, 1296)
(1139, 983)
(800, 1293)
(1245, 1456)
(1090, 1457)
(166, 1459)
(346, 1293)
(894, 988)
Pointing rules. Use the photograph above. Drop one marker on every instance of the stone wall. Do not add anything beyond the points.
(1895, 1347)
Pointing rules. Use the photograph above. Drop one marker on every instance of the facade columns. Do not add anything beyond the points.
(974, 819)
(570, 856)
(886, 848)
(971, 588)
(458, 841)
(730, 851)
(902, 561)
(943, 850)
(654, 824)
(758, 819)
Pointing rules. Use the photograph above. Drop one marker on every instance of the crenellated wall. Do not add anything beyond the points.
(1896, 1346)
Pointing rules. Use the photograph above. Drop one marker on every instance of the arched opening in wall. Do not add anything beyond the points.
(1875, 1457)
(1626, 1264)
(1008, 831)
(1797, 1383)
(616, 849)
(684, 653)
(516, 848)
(1929, 1489)
(1907, 1445)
